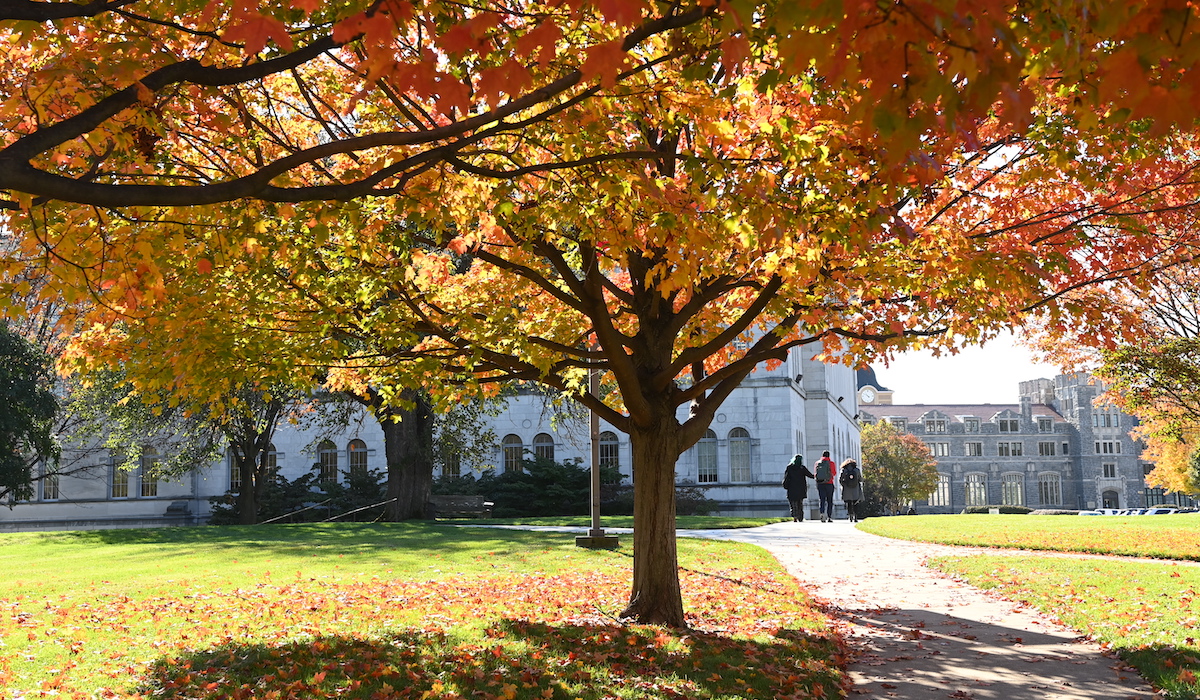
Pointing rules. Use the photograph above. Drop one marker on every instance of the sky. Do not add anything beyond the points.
(988, 374)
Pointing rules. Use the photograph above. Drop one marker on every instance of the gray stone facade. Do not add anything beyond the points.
(1059, 447)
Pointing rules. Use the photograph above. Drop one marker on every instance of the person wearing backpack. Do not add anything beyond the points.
(797, 486)
(825, 472)
(852, 491)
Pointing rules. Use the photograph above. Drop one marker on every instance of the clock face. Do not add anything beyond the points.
(867, 394)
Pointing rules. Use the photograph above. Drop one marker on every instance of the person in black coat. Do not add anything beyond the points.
(797, 487)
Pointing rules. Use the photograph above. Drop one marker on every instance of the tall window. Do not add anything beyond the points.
(610, 453)
(706, 458)
(357, 454)
(327, 457)
(1012, 489)
(1046, 449)
(1110, 470)
(514, 449)
(1009, 449)
(235, 472)
(941, 494)
(452, 464)
(974, 449)
(149, 473)
(1108, 447)
(1009, 425)
(935, 425)
(971, 425)
(50, 487)
(1066, 448)
(543, 446)
(1049, 490)
(120, 483)
(739, 455)
(1002, 449)
(976, 489)
(940, 449)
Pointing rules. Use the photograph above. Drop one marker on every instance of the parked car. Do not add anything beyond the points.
(1132, 511)
(1090, 512)
(1160, 510)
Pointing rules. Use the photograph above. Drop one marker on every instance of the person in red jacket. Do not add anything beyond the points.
(826, 472)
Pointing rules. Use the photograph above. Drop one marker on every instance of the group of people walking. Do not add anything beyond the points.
(795, 481)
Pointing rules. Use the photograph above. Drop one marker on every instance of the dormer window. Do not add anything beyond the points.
(935, 425)
(1009, 425)
(971, 425)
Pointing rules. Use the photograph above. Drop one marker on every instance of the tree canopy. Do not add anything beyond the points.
(27, 421)
(447, 198)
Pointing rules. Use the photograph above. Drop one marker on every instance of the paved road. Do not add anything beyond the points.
(920, 636)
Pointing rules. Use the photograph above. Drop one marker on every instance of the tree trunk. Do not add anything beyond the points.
(408, 448)
(247, 503)
(656, 597)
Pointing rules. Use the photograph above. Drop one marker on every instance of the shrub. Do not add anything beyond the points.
(1006, 510)
(689, 500)
(542, 487)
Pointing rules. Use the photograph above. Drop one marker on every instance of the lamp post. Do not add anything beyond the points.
(595, 538)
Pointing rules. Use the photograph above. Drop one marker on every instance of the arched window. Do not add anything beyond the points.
(514, 449)
(357, 451)
(148, 472)
(610, 454)
(543, 446)
(1050, 489)
(739, 455)
(1012, 489)
(976, 488)
(327, 457)
(941, 494)
(706, 458)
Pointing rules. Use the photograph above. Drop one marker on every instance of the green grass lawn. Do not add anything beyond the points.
(683, 522)
(1157, 536)
(1148, 612)
(391, 610)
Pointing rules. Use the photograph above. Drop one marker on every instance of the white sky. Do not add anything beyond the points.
(987, 374)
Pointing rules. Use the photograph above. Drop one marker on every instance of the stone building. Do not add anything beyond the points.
(801, 406)
(1058, 447)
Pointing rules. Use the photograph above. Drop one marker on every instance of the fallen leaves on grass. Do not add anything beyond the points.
(514, 637)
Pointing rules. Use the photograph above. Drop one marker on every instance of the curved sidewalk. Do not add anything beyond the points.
(919, 635)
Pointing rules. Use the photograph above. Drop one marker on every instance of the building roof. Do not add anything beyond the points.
(866, 376)
(956, 412)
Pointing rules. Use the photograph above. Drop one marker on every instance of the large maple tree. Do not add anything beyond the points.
(450, 198)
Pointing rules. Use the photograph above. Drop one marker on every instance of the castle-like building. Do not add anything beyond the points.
(1059, 447)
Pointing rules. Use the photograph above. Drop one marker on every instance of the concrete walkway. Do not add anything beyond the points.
(918, 635)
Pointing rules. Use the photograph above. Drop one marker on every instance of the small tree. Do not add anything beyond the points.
(897, 467)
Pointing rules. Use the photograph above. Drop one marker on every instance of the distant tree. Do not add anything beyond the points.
(195, 434)
(27, 420)
(897, 467)
(1156, 376)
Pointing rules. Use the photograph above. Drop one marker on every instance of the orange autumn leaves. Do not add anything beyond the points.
(509, 636)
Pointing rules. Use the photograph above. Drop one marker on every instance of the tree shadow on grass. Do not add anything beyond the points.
(358, 539)
(516, 659)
